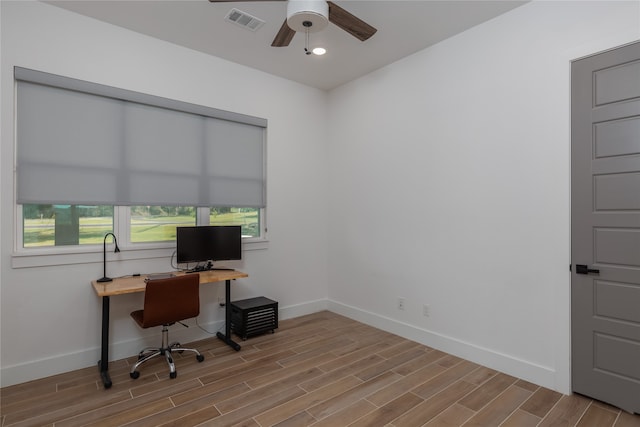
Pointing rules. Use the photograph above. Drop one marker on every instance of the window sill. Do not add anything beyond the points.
(76, 255)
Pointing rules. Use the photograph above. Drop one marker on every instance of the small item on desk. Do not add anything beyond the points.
(158, 276)
(135, 275)
(208, 267)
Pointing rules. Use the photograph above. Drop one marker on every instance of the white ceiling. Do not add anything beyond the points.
(404, 27)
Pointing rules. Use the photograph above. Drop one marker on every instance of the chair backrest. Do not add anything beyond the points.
(170, 300)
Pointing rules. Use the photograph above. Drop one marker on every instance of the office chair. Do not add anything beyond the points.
(167, 301)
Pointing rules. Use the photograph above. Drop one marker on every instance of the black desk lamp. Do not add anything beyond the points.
(104, 278)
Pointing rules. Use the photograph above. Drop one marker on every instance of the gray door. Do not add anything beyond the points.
(605, 227)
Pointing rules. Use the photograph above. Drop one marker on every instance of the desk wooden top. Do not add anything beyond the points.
(132, 284)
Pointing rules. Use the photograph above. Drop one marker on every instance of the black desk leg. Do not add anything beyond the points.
(226, 337)
(104, 353)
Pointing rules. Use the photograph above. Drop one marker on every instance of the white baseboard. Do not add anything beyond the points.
(61, 363)
(540, 375)
(303, 309)
(534, 373)
(35, 369)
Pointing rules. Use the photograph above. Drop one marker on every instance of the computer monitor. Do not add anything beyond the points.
(208, 243)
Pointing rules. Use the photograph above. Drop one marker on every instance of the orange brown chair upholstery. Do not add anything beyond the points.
(167, 301)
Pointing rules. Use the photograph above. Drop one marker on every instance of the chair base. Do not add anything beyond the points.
(164, 350)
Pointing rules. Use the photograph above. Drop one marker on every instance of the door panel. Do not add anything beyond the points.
(617, 301)
(616, 191)
(617, 83)
(608, 350)
(605, 226)
(617, 246)
(617, 137)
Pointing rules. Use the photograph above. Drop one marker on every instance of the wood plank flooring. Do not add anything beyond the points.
(317, 370)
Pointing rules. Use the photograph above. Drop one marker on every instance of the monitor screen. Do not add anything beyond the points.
(208, 243)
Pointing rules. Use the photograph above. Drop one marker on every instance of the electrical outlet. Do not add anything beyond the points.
(425, 310)
(400, 303)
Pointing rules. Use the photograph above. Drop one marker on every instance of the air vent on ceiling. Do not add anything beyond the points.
(244, 20)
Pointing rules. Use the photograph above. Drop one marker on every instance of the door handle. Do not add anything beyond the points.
(584, 269)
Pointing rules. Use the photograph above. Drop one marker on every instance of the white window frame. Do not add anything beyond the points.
(80, 254)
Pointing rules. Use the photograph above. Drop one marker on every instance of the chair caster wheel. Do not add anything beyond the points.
(134, 374)
(173, 375)
(199, 358)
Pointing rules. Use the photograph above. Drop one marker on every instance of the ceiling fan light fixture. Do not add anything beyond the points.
(319, 51)
(307, 15)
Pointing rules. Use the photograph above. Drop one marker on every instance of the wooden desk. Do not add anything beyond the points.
(128, 285)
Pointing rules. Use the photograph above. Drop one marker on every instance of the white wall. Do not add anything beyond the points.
(50, 316)
(450, 187)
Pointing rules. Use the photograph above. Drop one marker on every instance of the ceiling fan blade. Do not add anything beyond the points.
(284, 36)
(350, 23)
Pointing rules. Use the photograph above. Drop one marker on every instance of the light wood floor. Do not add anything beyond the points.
(320, 370)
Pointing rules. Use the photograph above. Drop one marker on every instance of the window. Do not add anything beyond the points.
(248, 218)
(63, 225)
(93, 159)
(68, 225)
(158, 223)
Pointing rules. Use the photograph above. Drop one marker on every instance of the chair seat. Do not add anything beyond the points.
(138, 316)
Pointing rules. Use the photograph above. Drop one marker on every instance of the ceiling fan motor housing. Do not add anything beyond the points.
(307, 15)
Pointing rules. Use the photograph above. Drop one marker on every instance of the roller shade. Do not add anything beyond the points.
(84, 143)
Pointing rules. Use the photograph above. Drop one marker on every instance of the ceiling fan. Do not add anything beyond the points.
(313, 15)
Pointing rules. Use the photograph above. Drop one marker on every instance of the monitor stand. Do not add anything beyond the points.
(199, 268)
(209, 267)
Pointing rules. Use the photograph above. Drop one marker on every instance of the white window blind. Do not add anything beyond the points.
(84, 143)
